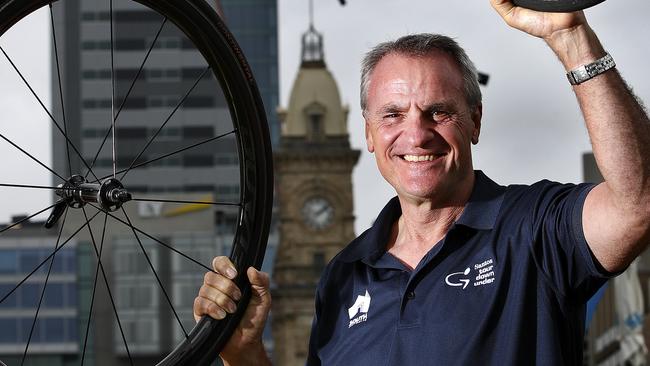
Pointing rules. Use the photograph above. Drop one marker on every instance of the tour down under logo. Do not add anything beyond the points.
(483, 275)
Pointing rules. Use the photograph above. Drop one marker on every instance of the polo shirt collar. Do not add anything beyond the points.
(480, 213)
(483, 207)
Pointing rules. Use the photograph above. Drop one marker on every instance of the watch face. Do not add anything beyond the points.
(317, 212)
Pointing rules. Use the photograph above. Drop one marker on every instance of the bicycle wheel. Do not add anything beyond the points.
(165, 110)
(560, 6)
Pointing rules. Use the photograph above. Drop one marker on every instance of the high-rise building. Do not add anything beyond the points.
(169, 100)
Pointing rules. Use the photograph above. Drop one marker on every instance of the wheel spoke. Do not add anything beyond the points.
(144, 252)
(28, 217)
(58, 72)
(156, 240)
(47, 259)
(180, 103)
(47, 111)
(92, 299)
(188, 201)
(108, 287)
(128, 93)
(47, 278)
(173, 153)
(112, 87)
(30, 156)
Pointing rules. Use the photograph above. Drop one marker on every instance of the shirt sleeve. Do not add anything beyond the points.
(558, 244)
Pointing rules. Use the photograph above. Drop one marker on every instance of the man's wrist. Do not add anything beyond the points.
(576, 46)
(255, 355)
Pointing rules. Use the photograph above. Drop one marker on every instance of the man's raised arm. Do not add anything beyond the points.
(616, 215)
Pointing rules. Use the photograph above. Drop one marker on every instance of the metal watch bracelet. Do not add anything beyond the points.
(588, 71)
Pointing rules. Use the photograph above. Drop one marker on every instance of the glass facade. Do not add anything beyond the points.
(254, 24)
(54, 295)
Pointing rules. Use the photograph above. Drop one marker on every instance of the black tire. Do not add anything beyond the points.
(557, 6)
(217, 45)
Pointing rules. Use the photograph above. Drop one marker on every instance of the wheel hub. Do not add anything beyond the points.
(76, 192)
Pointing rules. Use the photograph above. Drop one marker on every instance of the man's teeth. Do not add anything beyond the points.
(419, 157)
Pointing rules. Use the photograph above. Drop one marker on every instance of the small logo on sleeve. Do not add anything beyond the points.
(483, 275)
(360, 306)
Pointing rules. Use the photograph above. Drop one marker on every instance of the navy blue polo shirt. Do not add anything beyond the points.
(507, 285)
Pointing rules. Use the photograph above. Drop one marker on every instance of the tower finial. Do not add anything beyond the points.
(312, 43)
(311, 14)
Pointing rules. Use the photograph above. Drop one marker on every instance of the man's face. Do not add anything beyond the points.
(419, 125)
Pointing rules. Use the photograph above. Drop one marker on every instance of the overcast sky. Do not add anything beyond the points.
(532, 128)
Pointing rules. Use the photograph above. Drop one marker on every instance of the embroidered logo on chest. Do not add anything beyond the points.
(479, 274)
(358, 312)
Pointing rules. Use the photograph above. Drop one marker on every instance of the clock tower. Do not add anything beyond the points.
(313, 167)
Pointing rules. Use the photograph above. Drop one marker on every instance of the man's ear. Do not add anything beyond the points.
(369, 143)
(477, 114)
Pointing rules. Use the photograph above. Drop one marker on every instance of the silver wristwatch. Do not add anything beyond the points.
(588, 71)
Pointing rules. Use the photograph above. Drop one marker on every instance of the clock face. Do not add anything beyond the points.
(317, 212)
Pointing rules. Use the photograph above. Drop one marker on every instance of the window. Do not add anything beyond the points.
(88, 45)
(71, 329)
(198, 132)
(199, 102)
(87, 16)
(69, 259)
(53, 297)
(226, 159)
(315, 127)
(53, 329)
(130, 44)
(8, 263)
(159, 101)
(227, 190)
(89, 74)
(163, 74)
(192, 73)
(9, 328)
(125, 161)
(136, 296)
(131, 132)
(9, 302)
(192, 161)
(30, 259)
(132, 261)
(25, 326)
(125, 74)
(134, 102)
(29, 295)
(315, 114)
(95, 16)
(170, 133)
(168, 42)
(137, 16)
(71, 295)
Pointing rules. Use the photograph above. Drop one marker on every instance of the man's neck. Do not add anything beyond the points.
(424, 223)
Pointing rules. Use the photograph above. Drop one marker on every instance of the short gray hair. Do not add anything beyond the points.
(421, 45)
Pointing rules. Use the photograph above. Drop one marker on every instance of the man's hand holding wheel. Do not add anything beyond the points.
(218, 297)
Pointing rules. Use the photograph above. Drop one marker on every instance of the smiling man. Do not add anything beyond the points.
(458, 269)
